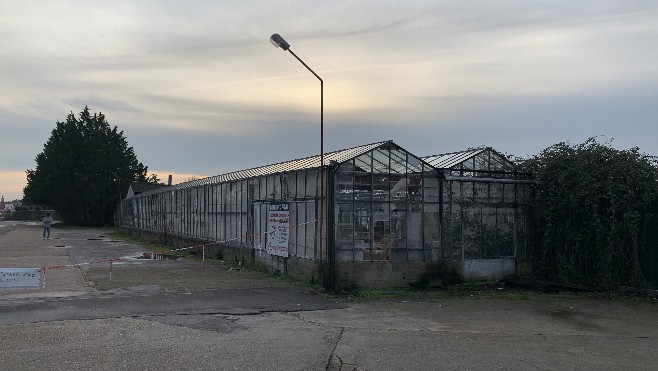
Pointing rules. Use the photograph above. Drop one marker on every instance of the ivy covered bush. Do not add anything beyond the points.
(596, 215)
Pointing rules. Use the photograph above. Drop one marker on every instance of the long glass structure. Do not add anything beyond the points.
(390, 216)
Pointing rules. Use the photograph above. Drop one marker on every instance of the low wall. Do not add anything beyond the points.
(379, 274)
(488, 269)
(362, 274)
(301, 269)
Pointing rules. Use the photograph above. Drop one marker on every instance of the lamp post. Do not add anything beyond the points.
(279, 42)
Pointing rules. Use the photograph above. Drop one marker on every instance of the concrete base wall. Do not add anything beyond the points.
(363, 274)
(298, 268)
(379, 274)
(488, 269)
(301, 269)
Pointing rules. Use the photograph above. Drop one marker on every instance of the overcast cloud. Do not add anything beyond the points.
(198, 89)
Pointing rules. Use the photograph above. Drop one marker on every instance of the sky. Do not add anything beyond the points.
(198, 89)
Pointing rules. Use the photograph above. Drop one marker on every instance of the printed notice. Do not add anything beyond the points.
(278, 225)
(19, 277)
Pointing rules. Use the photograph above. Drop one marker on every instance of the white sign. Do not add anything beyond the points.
(20, 277)
(278, 226)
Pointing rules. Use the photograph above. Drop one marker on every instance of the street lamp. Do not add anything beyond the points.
(279, 42)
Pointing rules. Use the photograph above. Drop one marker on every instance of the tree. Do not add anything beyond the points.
(594, 214)
(83, 170)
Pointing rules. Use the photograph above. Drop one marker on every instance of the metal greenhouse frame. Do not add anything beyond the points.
(391, 218)
(380, 199)
(486, 230)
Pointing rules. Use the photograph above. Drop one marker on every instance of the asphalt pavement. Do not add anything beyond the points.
(99, 305)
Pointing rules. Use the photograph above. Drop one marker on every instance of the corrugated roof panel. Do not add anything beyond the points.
(448, 160)
(140, 187)
(284, 167)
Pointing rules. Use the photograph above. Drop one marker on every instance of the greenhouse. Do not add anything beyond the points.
(487, 233)
(374, 217)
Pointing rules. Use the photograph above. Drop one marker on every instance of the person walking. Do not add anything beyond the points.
(47, 221)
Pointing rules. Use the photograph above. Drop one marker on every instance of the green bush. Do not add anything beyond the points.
(593, 213)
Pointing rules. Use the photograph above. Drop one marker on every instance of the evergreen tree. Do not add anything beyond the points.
(83, 171)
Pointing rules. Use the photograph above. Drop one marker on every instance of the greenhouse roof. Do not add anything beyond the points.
(140, 187)
(449, 160)
(284, 167)
(483, 160)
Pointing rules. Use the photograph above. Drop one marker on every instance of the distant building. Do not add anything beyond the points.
(7, 206)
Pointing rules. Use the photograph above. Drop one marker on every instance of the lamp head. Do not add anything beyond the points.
(279, 42)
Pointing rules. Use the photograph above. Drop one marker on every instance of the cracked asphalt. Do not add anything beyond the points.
(182, 315)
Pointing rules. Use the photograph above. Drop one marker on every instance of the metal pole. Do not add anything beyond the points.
(321, 217)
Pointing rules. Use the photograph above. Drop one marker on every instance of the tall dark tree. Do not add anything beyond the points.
(595, 216)
(84, 170)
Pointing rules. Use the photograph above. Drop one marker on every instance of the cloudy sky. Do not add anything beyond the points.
(199, 90)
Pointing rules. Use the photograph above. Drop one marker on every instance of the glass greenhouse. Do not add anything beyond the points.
(390, 217)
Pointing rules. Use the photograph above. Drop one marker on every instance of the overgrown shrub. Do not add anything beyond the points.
(593, 213)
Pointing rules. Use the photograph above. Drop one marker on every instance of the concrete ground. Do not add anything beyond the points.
(182, 315)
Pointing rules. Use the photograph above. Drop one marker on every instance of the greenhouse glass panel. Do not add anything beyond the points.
(481, 162)
(311, 183)
(276, 192)
(363, 163)
(310, 230)
(398, 161)
(260, 227)
(301, 184)
(244, 196)
(380, 161)
(430, 187)
(344, 183)
(262, 188)
(292, 185)
(466, 190)
(480, 192)
(497, 191)
(471, 232)
(300, 228)
(398, 192)
(362, 186)
(345, 225)
(285, 189)
(381, 232)
(381, 187)
(243, 229)
(505, 232)
(500, 164)
(362, 222)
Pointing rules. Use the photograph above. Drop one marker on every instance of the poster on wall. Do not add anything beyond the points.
(278, 225)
